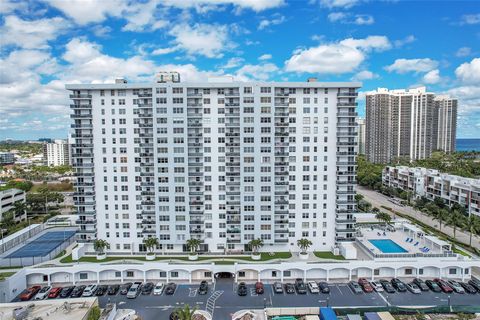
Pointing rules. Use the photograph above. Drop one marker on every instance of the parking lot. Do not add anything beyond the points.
(222, 299)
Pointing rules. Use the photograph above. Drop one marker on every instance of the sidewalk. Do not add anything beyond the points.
(378, 200)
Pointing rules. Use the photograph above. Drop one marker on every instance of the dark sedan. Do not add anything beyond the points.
(289, 288)
(170, 289)
(124, 288)
(113, 289)
(421, 284)
(101, 290)
(66, 292)
(77, 291)
(475, 283)
(324, 288)
(387, 286)
(203, 289)
(300, 286)
(398, 285)
(147, 288)
(468, 288)
(433, 286)
(242, 289)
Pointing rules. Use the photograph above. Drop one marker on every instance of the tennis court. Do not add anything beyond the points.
(43, 245)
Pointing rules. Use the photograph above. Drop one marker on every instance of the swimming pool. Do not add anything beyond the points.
(387, 246)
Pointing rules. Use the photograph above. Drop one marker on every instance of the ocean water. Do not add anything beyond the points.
(468, 145)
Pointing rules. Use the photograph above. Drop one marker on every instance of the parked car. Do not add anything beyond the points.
(134, 290)
(54, 292)
(277, 287)
(300, 286)
(433, 286)
(147, 288)
(101, 290)
(387, 286)
(398, 285)
(89, 290)
(66, 291)
(468, 287)
(77, 291)
(174, 316)
(313, 287)
(356, 288)
(203, 289)
(456, 286)
(242, 289)
(365, 285)
(170, 288)
(43, 293)
(475, 283)
(376, 286)
(443, 285)
(413, 288)
(259, 287)
(324, 288)
(158, 290)
(113, 289)
(289, 288)
(421, 284)
(125, 287)
(30, 293)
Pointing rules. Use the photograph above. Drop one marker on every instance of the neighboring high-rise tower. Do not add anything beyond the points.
(56, 153)
(361, 135)
(406, 124)
(224, 162)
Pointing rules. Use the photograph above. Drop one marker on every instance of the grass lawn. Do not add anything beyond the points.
(327, 255)
(463, 253)
(215, 259)
(61, 253)
(5, 275)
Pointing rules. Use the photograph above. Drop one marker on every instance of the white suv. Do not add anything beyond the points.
(158, 290)
(376, 286)
(313, 287)
(43, 293)
(89, 290)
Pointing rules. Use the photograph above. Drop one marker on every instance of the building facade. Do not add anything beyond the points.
(432, 184)
(361, 135)
(408, 124)
(8, 198)
(56, 153)
(223, 162)
(7, 158)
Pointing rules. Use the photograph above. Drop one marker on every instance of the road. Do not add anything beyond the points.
(378, 200)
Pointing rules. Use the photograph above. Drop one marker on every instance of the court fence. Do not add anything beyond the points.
(30, 261)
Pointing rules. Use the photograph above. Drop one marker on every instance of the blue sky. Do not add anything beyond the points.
(393, 44)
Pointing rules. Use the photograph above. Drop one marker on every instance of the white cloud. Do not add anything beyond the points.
(364, 75)
(160, 51)
(7, 6)
(33, 34)
(463, 52)
(408, 39)
(255, 5)
(266, 56)
(141, 16)
(339, 3)
(233, 63)
(256, 72)
(265, 23)
(87, 11)
(358, 19)
(202, 39)
(432, 77)
(101, 31)
(469, 72)
(470, 19)
(412, 65)
(336, 58)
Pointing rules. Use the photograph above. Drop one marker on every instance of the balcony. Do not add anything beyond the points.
(144, 95)
(347, 94)
(347, 114)
(80, 96)
(81, 106)
(194, 94)
(81, 126)
(81, 116)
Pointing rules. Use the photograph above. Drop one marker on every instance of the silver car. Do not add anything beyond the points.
(277, 287)
(413, 288)
(313, 287)
(376, 286)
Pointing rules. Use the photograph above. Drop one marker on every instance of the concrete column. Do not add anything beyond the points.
(395, 272)
(98, 276)
(281, 276)
(73, 278)
(440, 273)
(328, 275)
(48, 280)
(305, 275)
(168, 272)
(213, 277)
(144, 276)
(373, 274)
(349, 275)
(121, 276)
(258, 276)
(189, 277)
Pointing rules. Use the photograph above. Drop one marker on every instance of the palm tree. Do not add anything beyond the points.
(472, 226)
(100, 245)
(19, 208)
(441, 216)
(304, 244)
(383, 216)
(185, 313)
(256, 244)
(151, 243)
(193, 244)
(455, 220)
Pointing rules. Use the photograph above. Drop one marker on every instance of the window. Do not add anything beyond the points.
(130, 274)
(174, 274)
(241, 274)
(287, 273)
(83, 276)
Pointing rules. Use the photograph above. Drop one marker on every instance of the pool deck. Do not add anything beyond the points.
(399, 237)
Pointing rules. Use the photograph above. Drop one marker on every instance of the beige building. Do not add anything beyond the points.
(408, 124)
(56, 153)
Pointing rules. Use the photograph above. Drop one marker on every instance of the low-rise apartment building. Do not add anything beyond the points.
(8, 198)
(430, 183)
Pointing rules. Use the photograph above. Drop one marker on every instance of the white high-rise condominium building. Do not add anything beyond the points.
(224, 162)
(408, 124)
(56, 153)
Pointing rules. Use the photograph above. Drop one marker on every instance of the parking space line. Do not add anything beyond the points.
(339, 290)
(384, 299)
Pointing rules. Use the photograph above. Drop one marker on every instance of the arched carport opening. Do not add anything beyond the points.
(271, 274)
(294, 273)
(61, 278)
(429, 272)
(317, 274)
(110, 275)
(133, 274)
(85, 276)
(339, 273)
(202, 274)
(37, 278)
(384, 272)
(179, 275)
(362, 272)
(247, 275)
(156, 275)
(407, 271)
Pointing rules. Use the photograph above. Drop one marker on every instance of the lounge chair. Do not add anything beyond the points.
(407, 240)
(384, 233)
(416, 244)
